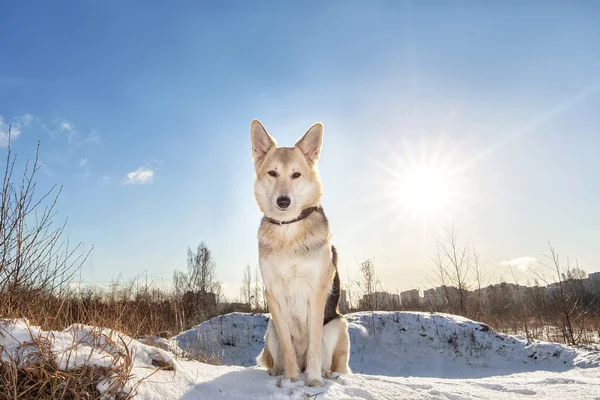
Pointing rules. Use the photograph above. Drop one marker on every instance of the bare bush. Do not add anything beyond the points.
(199, 292)
(368, 285)
(453, 265)
(568, 295)
(35, 260)
(246, 291)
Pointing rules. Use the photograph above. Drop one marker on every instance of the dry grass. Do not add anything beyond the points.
(212, 359)
(540, 328)
(31, 371)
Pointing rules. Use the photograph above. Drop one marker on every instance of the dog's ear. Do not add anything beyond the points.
(262, 142)
(310, 142)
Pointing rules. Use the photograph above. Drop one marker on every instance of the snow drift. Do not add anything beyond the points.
(401, 344)
(403, 356)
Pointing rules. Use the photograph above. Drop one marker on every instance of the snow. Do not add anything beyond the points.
(407, 356)
(76, 346)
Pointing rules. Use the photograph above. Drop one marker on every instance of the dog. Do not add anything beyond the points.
(306, 333)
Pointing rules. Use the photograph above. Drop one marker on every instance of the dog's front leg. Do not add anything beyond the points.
(290, 365)
(316, 307)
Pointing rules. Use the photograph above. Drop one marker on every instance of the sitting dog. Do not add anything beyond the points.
(298, 264)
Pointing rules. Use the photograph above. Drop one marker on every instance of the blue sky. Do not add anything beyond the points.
(507, 93)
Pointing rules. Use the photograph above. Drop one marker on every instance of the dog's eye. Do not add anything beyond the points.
(296, 175)
(273, 174)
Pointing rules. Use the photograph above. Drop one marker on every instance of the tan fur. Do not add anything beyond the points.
(296, 261)
(265, 359)
(341, 355)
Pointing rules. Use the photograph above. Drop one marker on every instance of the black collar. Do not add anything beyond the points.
(303, 215)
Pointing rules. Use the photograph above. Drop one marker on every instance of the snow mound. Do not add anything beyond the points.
(434, 356)
(399, 344)
(81, 345)
(234, 339)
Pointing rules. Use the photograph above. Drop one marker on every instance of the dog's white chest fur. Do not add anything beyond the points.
(292, 279)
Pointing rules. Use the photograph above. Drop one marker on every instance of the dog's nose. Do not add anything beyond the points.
(283, 202)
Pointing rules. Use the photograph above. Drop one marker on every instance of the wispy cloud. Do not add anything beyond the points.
(92, 138)
(66, 126)
(57, 128)
(63, 127)
(140, 176)
(84, 169)
(15, 127)
(522, 263)
(26, 120)
(105, 180)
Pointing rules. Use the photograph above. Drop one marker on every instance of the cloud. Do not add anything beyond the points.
(63, 127)
(66, 126)
(92, 138)
(16, 127)
(140, 176)
(522, 263)
(26, 120)
(83, 166)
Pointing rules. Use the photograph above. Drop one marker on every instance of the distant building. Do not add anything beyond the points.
(410, 297)
(382, 301)
(594, 277)
(552, 288)
(434, 297)
(511, 290)
(344, 307)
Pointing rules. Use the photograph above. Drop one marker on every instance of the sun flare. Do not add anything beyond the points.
(425, 184)
(424, 190)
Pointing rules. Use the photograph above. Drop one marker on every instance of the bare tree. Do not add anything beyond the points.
(246, 292)
(453, 264)
(201, 269)
(260, 302)
(368, 285)
(35, 260)
(480, 281)
(567, 295)
(201, 292)
(522, 308)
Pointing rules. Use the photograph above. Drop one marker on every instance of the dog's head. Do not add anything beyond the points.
(287, 180)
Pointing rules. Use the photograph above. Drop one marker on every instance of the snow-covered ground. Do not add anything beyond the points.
(406, 356)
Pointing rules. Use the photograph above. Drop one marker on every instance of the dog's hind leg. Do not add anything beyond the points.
(270, 356)
(339, 340)
(330, 339)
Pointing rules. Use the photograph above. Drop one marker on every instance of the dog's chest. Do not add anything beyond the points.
(292, 281)
(292, 273)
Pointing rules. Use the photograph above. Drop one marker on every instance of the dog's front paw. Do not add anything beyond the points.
(314, 382)
(294, 377)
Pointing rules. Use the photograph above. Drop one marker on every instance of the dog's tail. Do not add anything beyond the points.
(265, 359)
(363, 331)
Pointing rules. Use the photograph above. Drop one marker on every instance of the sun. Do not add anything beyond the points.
(424, 190)
(425, 183)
